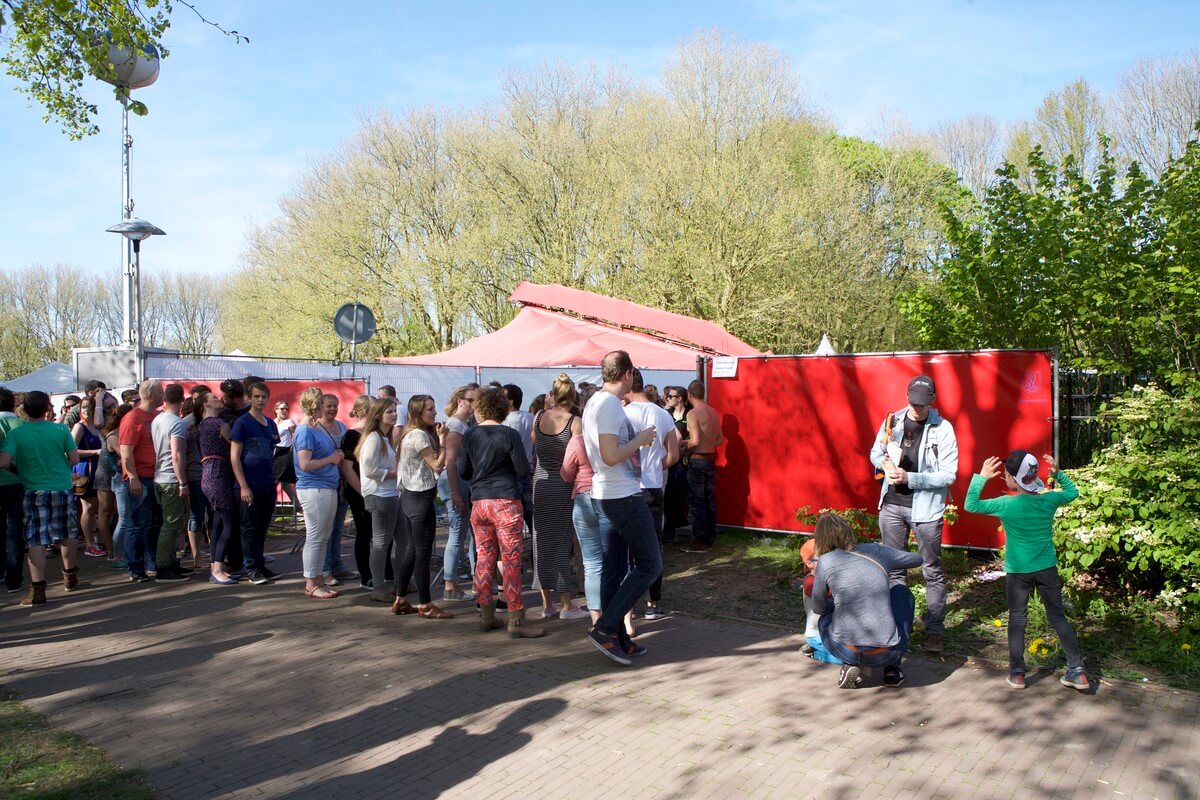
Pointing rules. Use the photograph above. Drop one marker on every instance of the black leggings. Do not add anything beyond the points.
(419, 524)
(224, 532)
(362, 533)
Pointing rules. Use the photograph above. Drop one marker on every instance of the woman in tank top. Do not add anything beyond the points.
(553, 528)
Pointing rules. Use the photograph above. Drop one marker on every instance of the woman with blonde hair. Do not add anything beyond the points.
(459, 409)
(553, 528)
(377, 467)
(316, 458)
(421, 459)
(865, 621)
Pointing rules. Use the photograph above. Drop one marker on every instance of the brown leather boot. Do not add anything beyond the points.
(520, 628)
(36, 596)
(71, 580)
(487, 618)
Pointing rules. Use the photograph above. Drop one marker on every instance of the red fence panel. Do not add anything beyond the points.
(289, 391)
(798, 429)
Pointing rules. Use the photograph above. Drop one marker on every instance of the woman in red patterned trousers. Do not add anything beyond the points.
(493, 460)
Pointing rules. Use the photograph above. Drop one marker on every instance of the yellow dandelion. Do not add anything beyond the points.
(1035, 644)
(1185, 646)
(1045, 651)
(997, 623)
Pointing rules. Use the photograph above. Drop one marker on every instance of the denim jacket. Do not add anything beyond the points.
(937, 464)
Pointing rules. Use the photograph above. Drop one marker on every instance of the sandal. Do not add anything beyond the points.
(431, 611)
(321, 592)
(402, 606)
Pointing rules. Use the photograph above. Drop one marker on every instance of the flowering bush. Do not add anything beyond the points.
(864, 523)
(1136, 524)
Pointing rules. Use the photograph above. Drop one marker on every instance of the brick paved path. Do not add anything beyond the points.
(260, 692)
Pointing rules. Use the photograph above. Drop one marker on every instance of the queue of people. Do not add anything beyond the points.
(589, 473)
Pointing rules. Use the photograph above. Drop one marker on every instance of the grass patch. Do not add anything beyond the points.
(43, 763)
(752, 575)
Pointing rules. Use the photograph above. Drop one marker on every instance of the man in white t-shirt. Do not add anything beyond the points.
(656, 459)
(626, 526)
(169, 434)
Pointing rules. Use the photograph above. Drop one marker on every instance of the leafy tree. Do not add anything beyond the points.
(1154, 109)
(1103, 269)
(53, 45)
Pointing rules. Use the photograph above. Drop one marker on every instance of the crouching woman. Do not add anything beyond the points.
(865, 622)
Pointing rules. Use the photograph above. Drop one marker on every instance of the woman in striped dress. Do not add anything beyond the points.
(553, 530)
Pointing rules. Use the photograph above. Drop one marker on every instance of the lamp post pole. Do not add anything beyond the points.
(130, 279)
(134, 231)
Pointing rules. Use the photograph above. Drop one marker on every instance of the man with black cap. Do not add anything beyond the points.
(916, 455)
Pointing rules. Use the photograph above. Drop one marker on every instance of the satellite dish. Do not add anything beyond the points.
(354, 323)
(135, 69)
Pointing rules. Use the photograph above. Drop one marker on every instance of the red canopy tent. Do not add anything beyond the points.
(560, 326)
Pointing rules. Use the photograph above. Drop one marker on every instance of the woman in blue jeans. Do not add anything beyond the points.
(577, 470)
(865, 621)
(111, 453)
(459, 538)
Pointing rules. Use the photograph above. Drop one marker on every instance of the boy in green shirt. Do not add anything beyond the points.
(1029, 558)
(44, 453)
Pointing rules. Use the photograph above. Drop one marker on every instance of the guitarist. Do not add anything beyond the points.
(916, 456)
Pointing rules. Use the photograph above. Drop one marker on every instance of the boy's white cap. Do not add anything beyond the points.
(1023, 466)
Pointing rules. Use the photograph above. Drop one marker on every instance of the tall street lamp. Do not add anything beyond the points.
(135, 230)
(131, 69)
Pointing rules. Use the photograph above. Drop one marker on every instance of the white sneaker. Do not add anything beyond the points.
(574, 612)
(549, 612)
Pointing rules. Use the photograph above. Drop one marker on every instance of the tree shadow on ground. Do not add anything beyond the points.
(452, 758)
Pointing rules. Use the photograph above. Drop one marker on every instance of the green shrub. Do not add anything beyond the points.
(1135, 528)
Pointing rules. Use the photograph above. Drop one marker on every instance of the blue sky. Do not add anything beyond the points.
(233, 126)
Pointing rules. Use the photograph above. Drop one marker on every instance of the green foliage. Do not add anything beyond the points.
(714, 194)
(864, 523)
(1105, 269)
(53, 45)
(1135, 529)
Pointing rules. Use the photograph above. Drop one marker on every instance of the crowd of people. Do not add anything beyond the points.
(166, 483)
(599, 477)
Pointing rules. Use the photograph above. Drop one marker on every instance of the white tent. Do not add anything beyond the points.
(54, 379)
(825, 348)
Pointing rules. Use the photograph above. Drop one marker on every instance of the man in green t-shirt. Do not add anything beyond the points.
(44, 453)
(1029, 558)
(12, 496)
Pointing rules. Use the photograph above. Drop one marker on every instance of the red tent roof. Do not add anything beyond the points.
(697, 333)
(559, 326)
(539, 338)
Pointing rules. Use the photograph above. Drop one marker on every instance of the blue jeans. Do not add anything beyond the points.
(626, 536)
(333, 556)
(701, 476)
(197, 507)
(459, 536)
(120, 490)
(587, 530)
(140, 536)
(903, 609)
